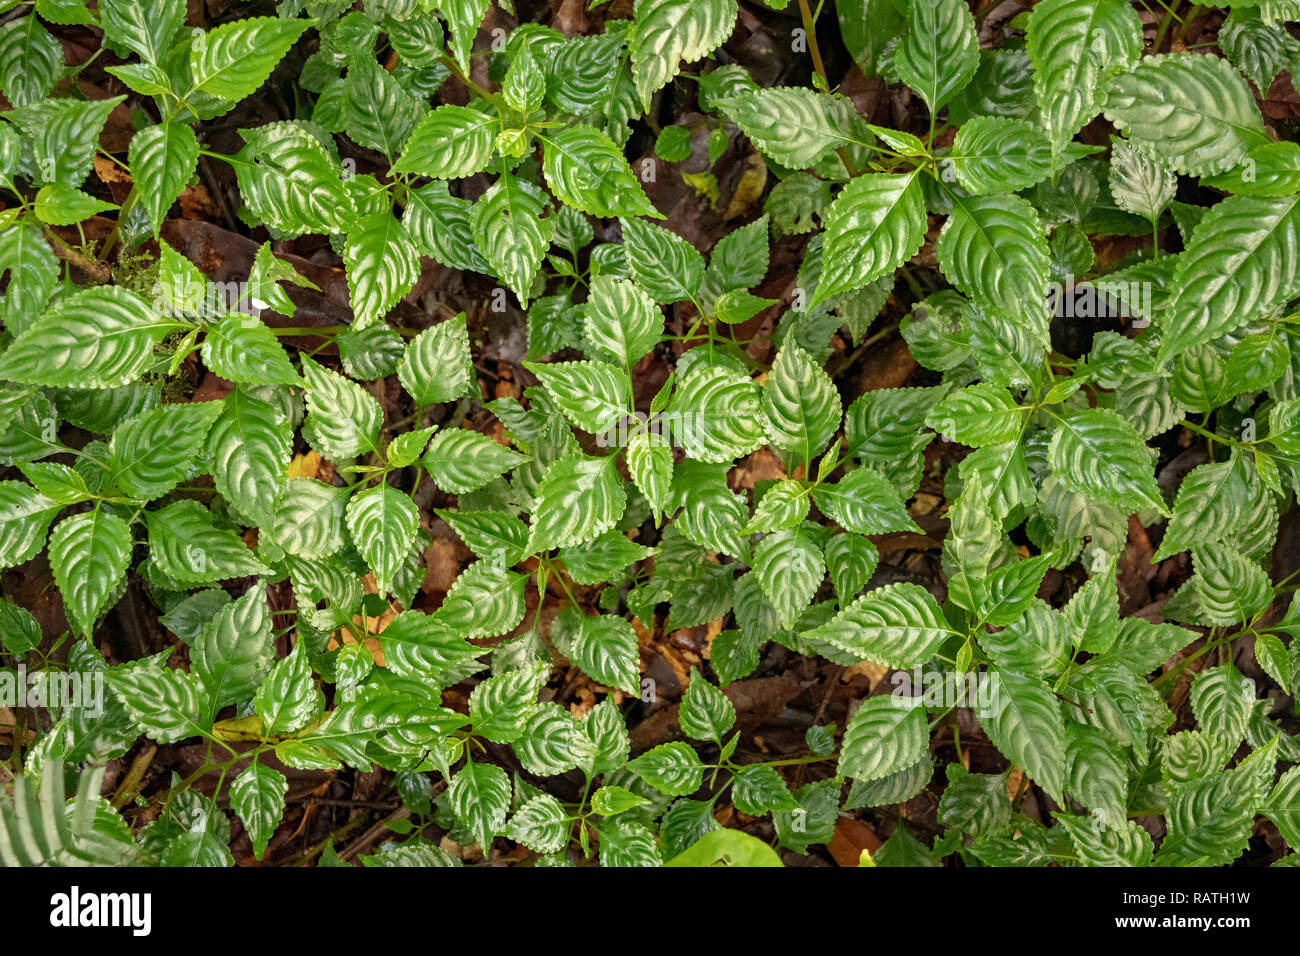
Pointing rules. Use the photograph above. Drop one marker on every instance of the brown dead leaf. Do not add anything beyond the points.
(443, 565)
(850, 839)
(749, 188)
(196, 203)
(109, 172)
(305, 466)
(869, 669)
(761, 465)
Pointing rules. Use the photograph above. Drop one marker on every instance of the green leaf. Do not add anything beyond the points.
(57, 482)
(1139, 182)
(578, 499)
(94, 338)
(800, 405)
(1240, 262)
(899, 625)
(479, 795)
(602, 744)
(449, 143)
(585, 73)
(234, 651)
(585, 169)
(462, 461)
(1075, 47)
(784, 505)
(464, 17)
(1097, 453)
(940, 52)
(977, 415)
(604, 559)
(1207, 121)
(494, 536)
(885, 735)
(605, 648)
(1127, 845)
(665, 32)
(705, 712)
(148, 31)
(291, 183)
(621, 321)
(795, 126)
(383, 522)
(1228, 586)
(61, 205)
(234, 59)
(876, 224)
(382, 266)
(594, 396)
(89, 554)
(152, 452)
(424, 647)
(437, 366)
(438, 223)
(500, 707)
(628, 844)
(550, 739)
(240, 348)
(1191, 755)
(1271, 170)
(33, 271)
(611, 801)
(864, 502)
(1092, 614)
(1213, 502)
(484, 601)
(509, 230)
(162, 160)
(187, 546)
(663, 264)
(816, 824)
(25, 516)
(1283, 806)
(1010, 590)
(997, 154)
(1209, 821)
(716, 416)
(540, 824)
(672, 768)
(250, 443)
(63, 134)
(994, 249)
(19, 631)
(1027, 727)
(759, 789)
(33, 58)
(975, 803)
(163, 703)
(257, 795)
(650, 465)
(790, 569)
(1221, 700)
(380, 113)
(343, 418)
(288, 700)
(851, 560)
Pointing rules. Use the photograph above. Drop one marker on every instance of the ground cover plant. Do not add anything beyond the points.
(677, 431)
